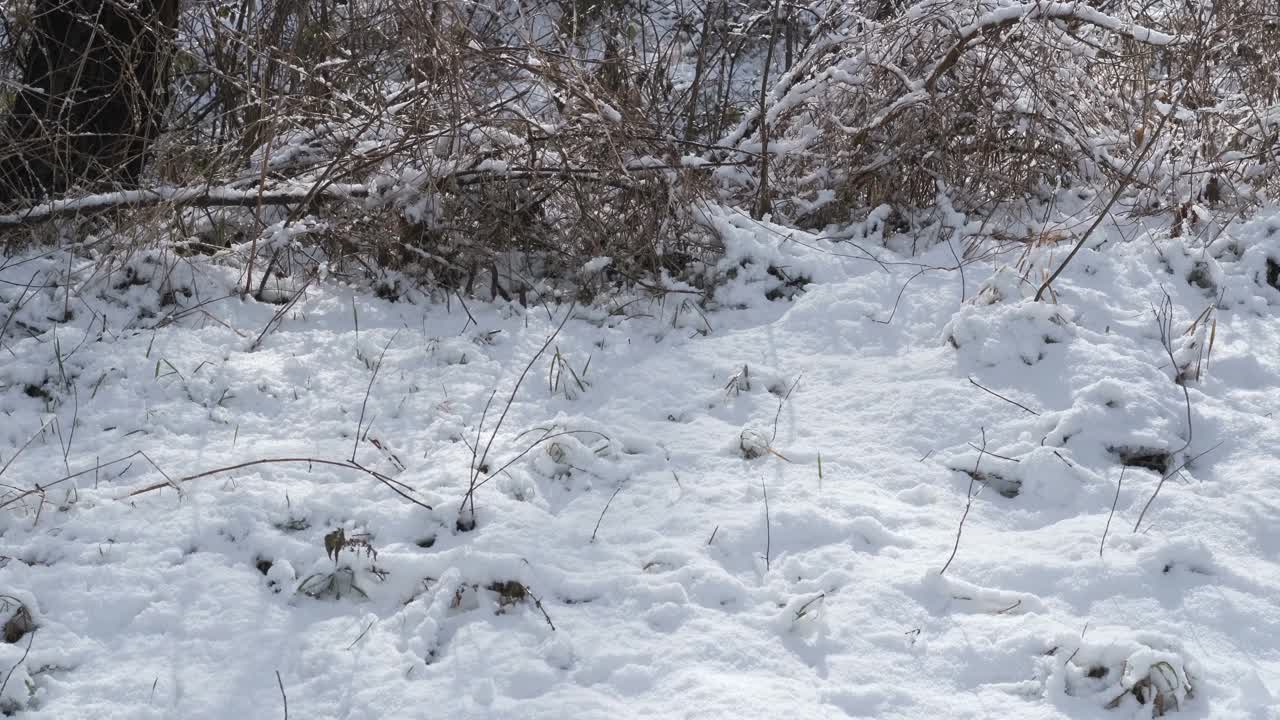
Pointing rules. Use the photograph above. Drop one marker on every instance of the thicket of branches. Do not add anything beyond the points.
(484, 145)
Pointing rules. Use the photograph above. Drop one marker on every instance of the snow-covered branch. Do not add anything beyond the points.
(196, 196)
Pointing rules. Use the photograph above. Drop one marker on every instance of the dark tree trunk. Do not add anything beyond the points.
(94, 76)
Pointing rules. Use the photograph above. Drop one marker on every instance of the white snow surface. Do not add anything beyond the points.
(697, 597)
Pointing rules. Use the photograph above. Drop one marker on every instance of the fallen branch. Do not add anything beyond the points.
(307, 193)
(389, 482)
(199, 196)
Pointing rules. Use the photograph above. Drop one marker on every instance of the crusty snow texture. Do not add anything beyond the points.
(691, 601)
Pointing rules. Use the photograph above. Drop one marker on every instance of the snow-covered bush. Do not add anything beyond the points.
(502, 151)
(1120, 669)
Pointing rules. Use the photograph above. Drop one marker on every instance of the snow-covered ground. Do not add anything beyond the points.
(637, 563)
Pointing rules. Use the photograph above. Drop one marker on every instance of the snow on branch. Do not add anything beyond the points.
(1068, 11)
(1048, 11)
(199, 196)
(301, 192)
(794, 87)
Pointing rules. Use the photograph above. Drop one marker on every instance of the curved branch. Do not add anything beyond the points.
(922, 89)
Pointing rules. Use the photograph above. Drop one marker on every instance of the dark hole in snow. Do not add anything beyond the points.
(426, 542)
(17, 627)
(272, 295)
(170, 297)
(509, 592)
(294, 525)
(389, 291)
(263, 565)
(791, 284)
(1273, 273)
(1147, 458)
(36, 391)
(1007, 487)
(1200, 276)
(1097, 671)
(1171, 566)
(1158, 689)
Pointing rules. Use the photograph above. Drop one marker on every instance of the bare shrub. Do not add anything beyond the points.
(496, 147)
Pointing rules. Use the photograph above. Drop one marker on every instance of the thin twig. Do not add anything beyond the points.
(1164, 321)
(1014, 606)
(30, 639)
(898, 300)
(605, 510)
(1119, 484)
(478, 462)
(994, 455)
(278, 316)
(1011, 402)
(537, 602)
(389, 482)
(768, 532)
(373, 378)
(361, 635)
(804, 609)
(1115, 197)
(283, 697)
(1168, 475)
(973, 476)
(471, 320)
(25, 444)
(778, 414)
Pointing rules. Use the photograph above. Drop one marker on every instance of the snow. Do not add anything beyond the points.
(639, 563)
(1069, 10)
(202, 194)
(595, 265)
